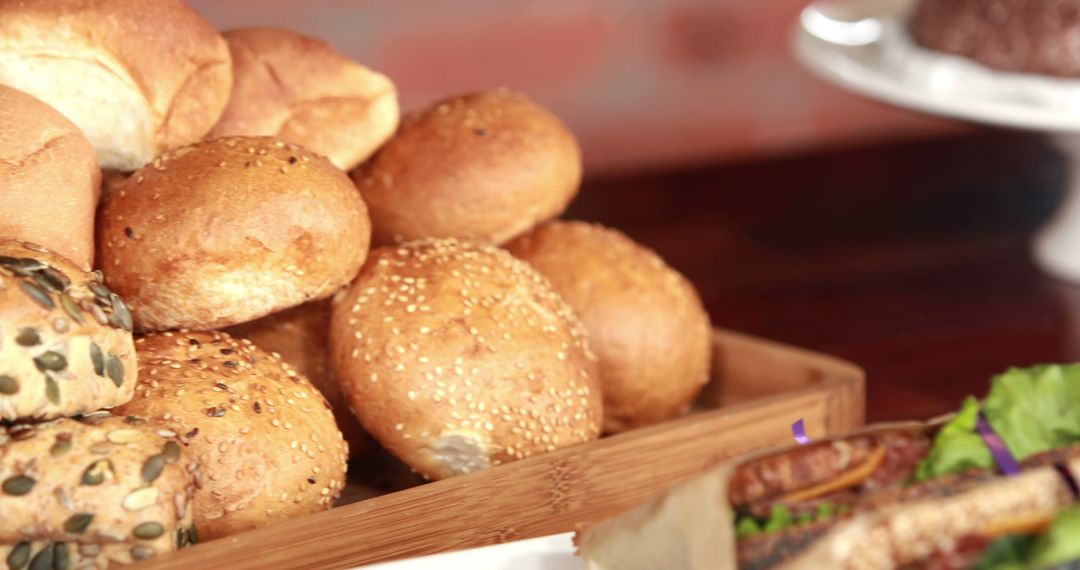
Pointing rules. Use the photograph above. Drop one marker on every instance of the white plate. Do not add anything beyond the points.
(554, 552)
(864, 45)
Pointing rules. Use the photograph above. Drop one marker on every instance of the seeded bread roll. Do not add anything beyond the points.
(65, 339)
(301, 336)
(264, 437)
(49, 178)
(133, 92)
(457, 357)
(230, 230)
(92, 493)
(486, 167)
(645, 320)
(301, 90)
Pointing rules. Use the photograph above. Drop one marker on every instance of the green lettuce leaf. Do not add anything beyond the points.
(957, 446)
(1035, 409)
(1060, 543)
(1007, 553)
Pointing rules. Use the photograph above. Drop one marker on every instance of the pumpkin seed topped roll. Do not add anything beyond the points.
(92, 492)
(65, 338)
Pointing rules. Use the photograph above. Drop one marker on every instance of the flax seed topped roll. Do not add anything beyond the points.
(485, 166)
(265, 439)
(301, 90)
(457, 357)
(229, 230)
(65, 338)
(92, 492)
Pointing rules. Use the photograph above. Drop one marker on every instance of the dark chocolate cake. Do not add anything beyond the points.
(1027, 36)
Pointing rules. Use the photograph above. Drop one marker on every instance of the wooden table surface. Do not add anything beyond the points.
(911, 260)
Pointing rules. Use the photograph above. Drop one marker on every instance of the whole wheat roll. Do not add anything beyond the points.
(94, 492)
(301, 90)
(263, 436)
(646, 321)
(301, 335)
(231, 230)
(484, 166)
(65, 338)
(138, 77)
(49, 178)
(457, 357)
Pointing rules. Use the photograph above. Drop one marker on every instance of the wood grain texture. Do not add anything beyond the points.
(763, 386)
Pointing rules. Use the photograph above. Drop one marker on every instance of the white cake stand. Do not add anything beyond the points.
(863, 45)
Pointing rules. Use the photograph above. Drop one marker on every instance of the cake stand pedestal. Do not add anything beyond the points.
(863, 46)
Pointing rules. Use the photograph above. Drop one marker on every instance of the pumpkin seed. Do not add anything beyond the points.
(8, 385)
(115, 369)
(172, 451)
(98, 472)
(181, 538)
(193, 535)
(124, 435)
(60, 448)
(37, 294)
(24, 266)
(52, 391)
(71, 308)
(141, 499)
(142, 552)
(120, 316)
(19, 556)
(149, 530)
(99, 315)
(51, 280)
(100, 290)
(78, 522)
(153, 467)
(97, 358)
(60, 556)
(50, 360)
(43, 560)
(28, 336)
(18, 485)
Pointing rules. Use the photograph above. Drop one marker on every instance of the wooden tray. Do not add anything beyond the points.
(762, 386)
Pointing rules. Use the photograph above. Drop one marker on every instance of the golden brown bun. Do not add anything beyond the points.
(265, 439)
(65, 339)
(301, 335)
(645, 320)
(457, 357)
(100, 490)
(486, 166)
(137, 76)
(229, 230)
(301, 90)
(49, 179)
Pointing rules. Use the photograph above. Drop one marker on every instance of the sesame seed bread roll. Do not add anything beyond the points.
(230, 230)
(301, 90)
(301, 335)
(65, 338)
(264, 438)
(92, 493)
(134, 91)
(645, 320)
(457, 357)
(485, 167)
(49, 178)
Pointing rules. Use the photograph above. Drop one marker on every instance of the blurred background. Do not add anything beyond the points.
(644, 84)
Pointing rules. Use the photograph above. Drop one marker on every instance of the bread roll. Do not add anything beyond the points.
(301, 90)
(65, 339)
(137, 76)
(645, 320)
(49, 179)
(301, 336)
(92, 493)
(486, 166)
(263, 436)
(230, 230)
(457, 357)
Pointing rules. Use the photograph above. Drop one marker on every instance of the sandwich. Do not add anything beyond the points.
(993, 486)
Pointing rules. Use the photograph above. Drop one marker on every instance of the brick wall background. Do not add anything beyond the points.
(643, 83)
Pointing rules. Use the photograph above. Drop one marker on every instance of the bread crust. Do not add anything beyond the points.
(301, 90)
(65, 339)
(483, 166)
(264, 437)
(230, 230)
(49, 178)
(457, 357)
(646, 322)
